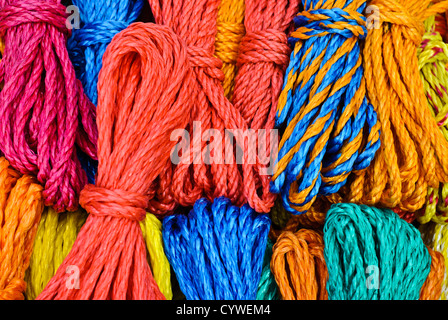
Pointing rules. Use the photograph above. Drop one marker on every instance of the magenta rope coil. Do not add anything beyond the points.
(44, 113)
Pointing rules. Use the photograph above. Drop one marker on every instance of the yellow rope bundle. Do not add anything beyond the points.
(433, 59)
(230, 31)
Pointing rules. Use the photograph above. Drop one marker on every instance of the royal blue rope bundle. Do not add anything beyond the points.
(100, 22)
(372, 254)
(329, 127)
(217, 250)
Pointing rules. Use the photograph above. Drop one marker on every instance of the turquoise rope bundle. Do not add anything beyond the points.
(100, 22)
(329, 127)
(217, 250)
(267, 287)
(372, 254)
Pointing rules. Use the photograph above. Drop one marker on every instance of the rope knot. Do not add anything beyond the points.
(98, 32)
(228, 38)
(321, 22)
(114, 203)
(203, 59)
(33, 11)
(393, 12)
(269, 46)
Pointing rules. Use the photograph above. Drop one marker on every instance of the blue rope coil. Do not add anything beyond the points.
(372, 254)
(217, 250)
(329, 127)
(100, 22)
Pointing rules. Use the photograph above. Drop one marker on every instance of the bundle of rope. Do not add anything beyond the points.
(217, 250)
(413, 154)
(100, 22)
(56, 235)
(267, 287)
(145, 91)
(45, 116)
(433, 59)
(54, 239)
(210, 164)
(329, 127)
(372, 254)
(229, 32)
(435, 236)
(21, 206)
(298, 265)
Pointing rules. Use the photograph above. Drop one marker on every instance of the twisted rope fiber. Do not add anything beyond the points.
(217, 173)
(432, 288)
(21, 206)
(433, 58)
(329, 128)
(100, 22)
(54, 239)
(267, 287)
(413, 153)
(144, 93)
(436, 237)
(56, 235)
(264, 55)
(229, 32)
(45, 116)
(217, 250)
(298, 265)
(358, 236)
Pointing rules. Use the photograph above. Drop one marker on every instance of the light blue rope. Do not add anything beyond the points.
(365, 244)
(217, 250)
(100, 22)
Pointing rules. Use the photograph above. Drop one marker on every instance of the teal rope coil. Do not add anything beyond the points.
(267, 287)
(372, 254)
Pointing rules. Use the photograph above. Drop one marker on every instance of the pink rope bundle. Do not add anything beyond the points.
(44, 114)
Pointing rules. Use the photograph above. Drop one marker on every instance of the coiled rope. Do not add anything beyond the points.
(372, 254)
(45, 115)
(329, 128)
(206, 169)
(217, 250)
(433, 58)
(144, 93)
(229, 32)
(100, 22)
(21, 206)
(298, 265)
(413, 154)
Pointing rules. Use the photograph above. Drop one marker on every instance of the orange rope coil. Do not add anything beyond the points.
(21, 206)
(413, 153)
(299, 267)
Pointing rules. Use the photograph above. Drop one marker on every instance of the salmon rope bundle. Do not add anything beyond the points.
(21, 206)
(413, 154)
(299, 267)
(217, 250)
(100, 22)
(372, 254)
(144, 93)
(229, 32)
(45, 116)
(329, 127)
(433, 59)
(210, 164)
(56, 235)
